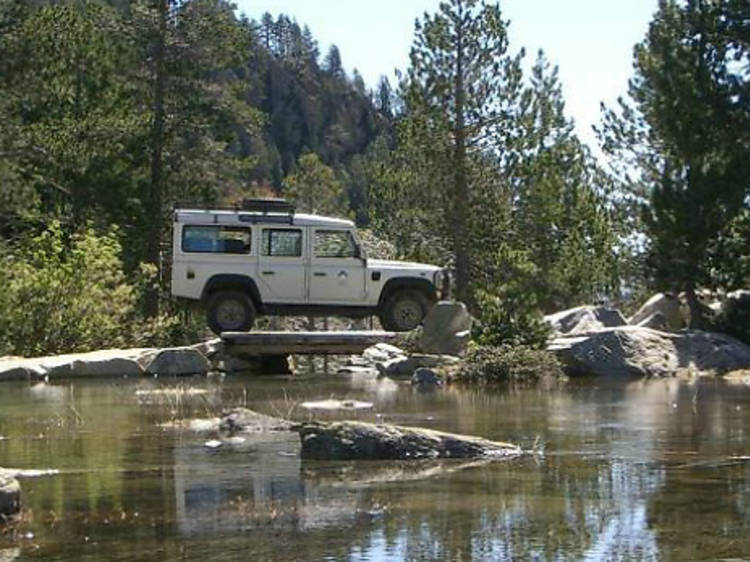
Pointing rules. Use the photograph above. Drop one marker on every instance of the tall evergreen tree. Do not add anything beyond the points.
(686, 136)
(458, 81)
(182, 48)
(559, 205)
(332, 63)
(314, 187)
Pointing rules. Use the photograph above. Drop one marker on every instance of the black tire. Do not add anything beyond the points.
(230, 311)
(404, 310)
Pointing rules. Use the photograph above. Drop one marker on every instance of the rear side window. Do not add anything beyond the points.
(334, 244)
(278, 242)
(216, 239)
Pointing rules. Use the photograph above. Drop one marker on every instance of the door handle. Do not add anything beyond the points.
(319, 274)
(269, 273)
(343, 274)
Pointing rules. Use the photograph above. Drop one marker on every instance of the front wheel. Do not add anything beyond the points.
(230, 311)
(404, 311)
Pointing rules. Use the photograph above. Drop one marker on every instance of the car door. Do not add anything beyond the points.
(337, 273)
(281, 265)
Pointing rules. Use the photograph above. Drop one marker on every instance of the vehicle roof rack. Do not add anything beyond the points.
(268, 210)
(267, 206)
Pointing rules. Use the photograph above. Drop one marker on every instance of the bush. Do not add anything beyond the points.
(507, 306)
(64, 294)
(507, 363)
(61, 295)
(508, 320)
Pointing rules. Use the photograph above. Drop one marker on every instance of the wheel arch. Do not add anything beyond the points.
(233, 282)
(407, 283)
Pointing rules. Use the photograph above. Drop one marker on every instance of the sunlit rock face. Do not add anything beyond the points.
(638, 351)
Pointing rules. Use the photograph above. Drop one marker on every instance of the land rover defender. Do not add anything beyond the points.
(263, 258)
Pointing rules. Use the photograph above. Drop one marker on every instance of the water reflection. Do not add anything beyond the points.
(636, 470)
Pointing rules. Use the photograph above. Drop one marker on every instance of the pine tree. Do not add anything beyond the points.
(384, 98)
(686, 135)
(183, 47)
(459, 81)
(332, 63)
(314, 187)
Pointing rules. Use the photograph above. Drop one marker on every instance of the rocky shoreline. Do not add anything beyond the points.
(653, 342)
(588, 340)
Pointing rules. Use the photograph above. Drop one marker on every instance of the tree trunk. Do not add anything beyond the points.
(461, 246)
(153, 242)
(696, 310)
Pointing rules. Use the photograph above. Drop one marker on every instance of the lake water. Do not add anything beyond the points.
(645, 470)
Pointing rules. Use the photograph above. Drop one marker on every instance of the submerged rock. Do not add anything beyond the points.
(405, 366)
(10, 496)
(242, 420)
(351, 440)
(637, 351)
(352, 475)
(337, 405)
(426, 378)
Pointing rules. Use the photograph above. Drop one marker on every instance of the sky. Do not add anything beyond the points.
(590, 40)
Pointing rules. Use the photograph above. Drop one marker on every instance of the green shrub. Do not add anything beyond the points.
(63, 294)
(507, 363)
(508, 320)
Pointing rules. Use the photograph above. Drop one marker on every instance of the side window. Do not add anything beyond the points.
(216, 239)
(278, 242)
(334, 244)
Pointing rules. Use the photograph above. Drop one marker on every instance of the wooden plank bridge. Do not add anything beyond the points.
(264, 344)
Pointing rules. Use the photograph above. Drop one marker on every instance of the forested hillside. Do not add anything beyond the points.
(113, 111)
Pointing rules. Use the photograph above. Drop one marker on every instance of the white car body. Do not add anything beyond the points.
(288, 263)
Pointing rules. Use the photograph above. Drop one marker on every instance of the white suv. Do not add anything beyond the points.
(264, 259)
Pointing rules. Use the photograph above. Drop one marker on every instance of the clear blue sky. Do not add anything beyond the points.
(590, 40)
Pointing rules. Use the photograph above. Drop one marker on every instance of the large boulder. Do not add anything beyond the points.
(104, 363)
(584, 319)
(445, 329)
(10, 496)
(351, 440)
(176, 361)
(656, 322)
(637, 351)
(667, 305)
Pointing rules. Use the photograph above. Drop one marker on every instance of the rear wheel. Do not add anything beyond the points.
(404, 310)
(230, 311)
